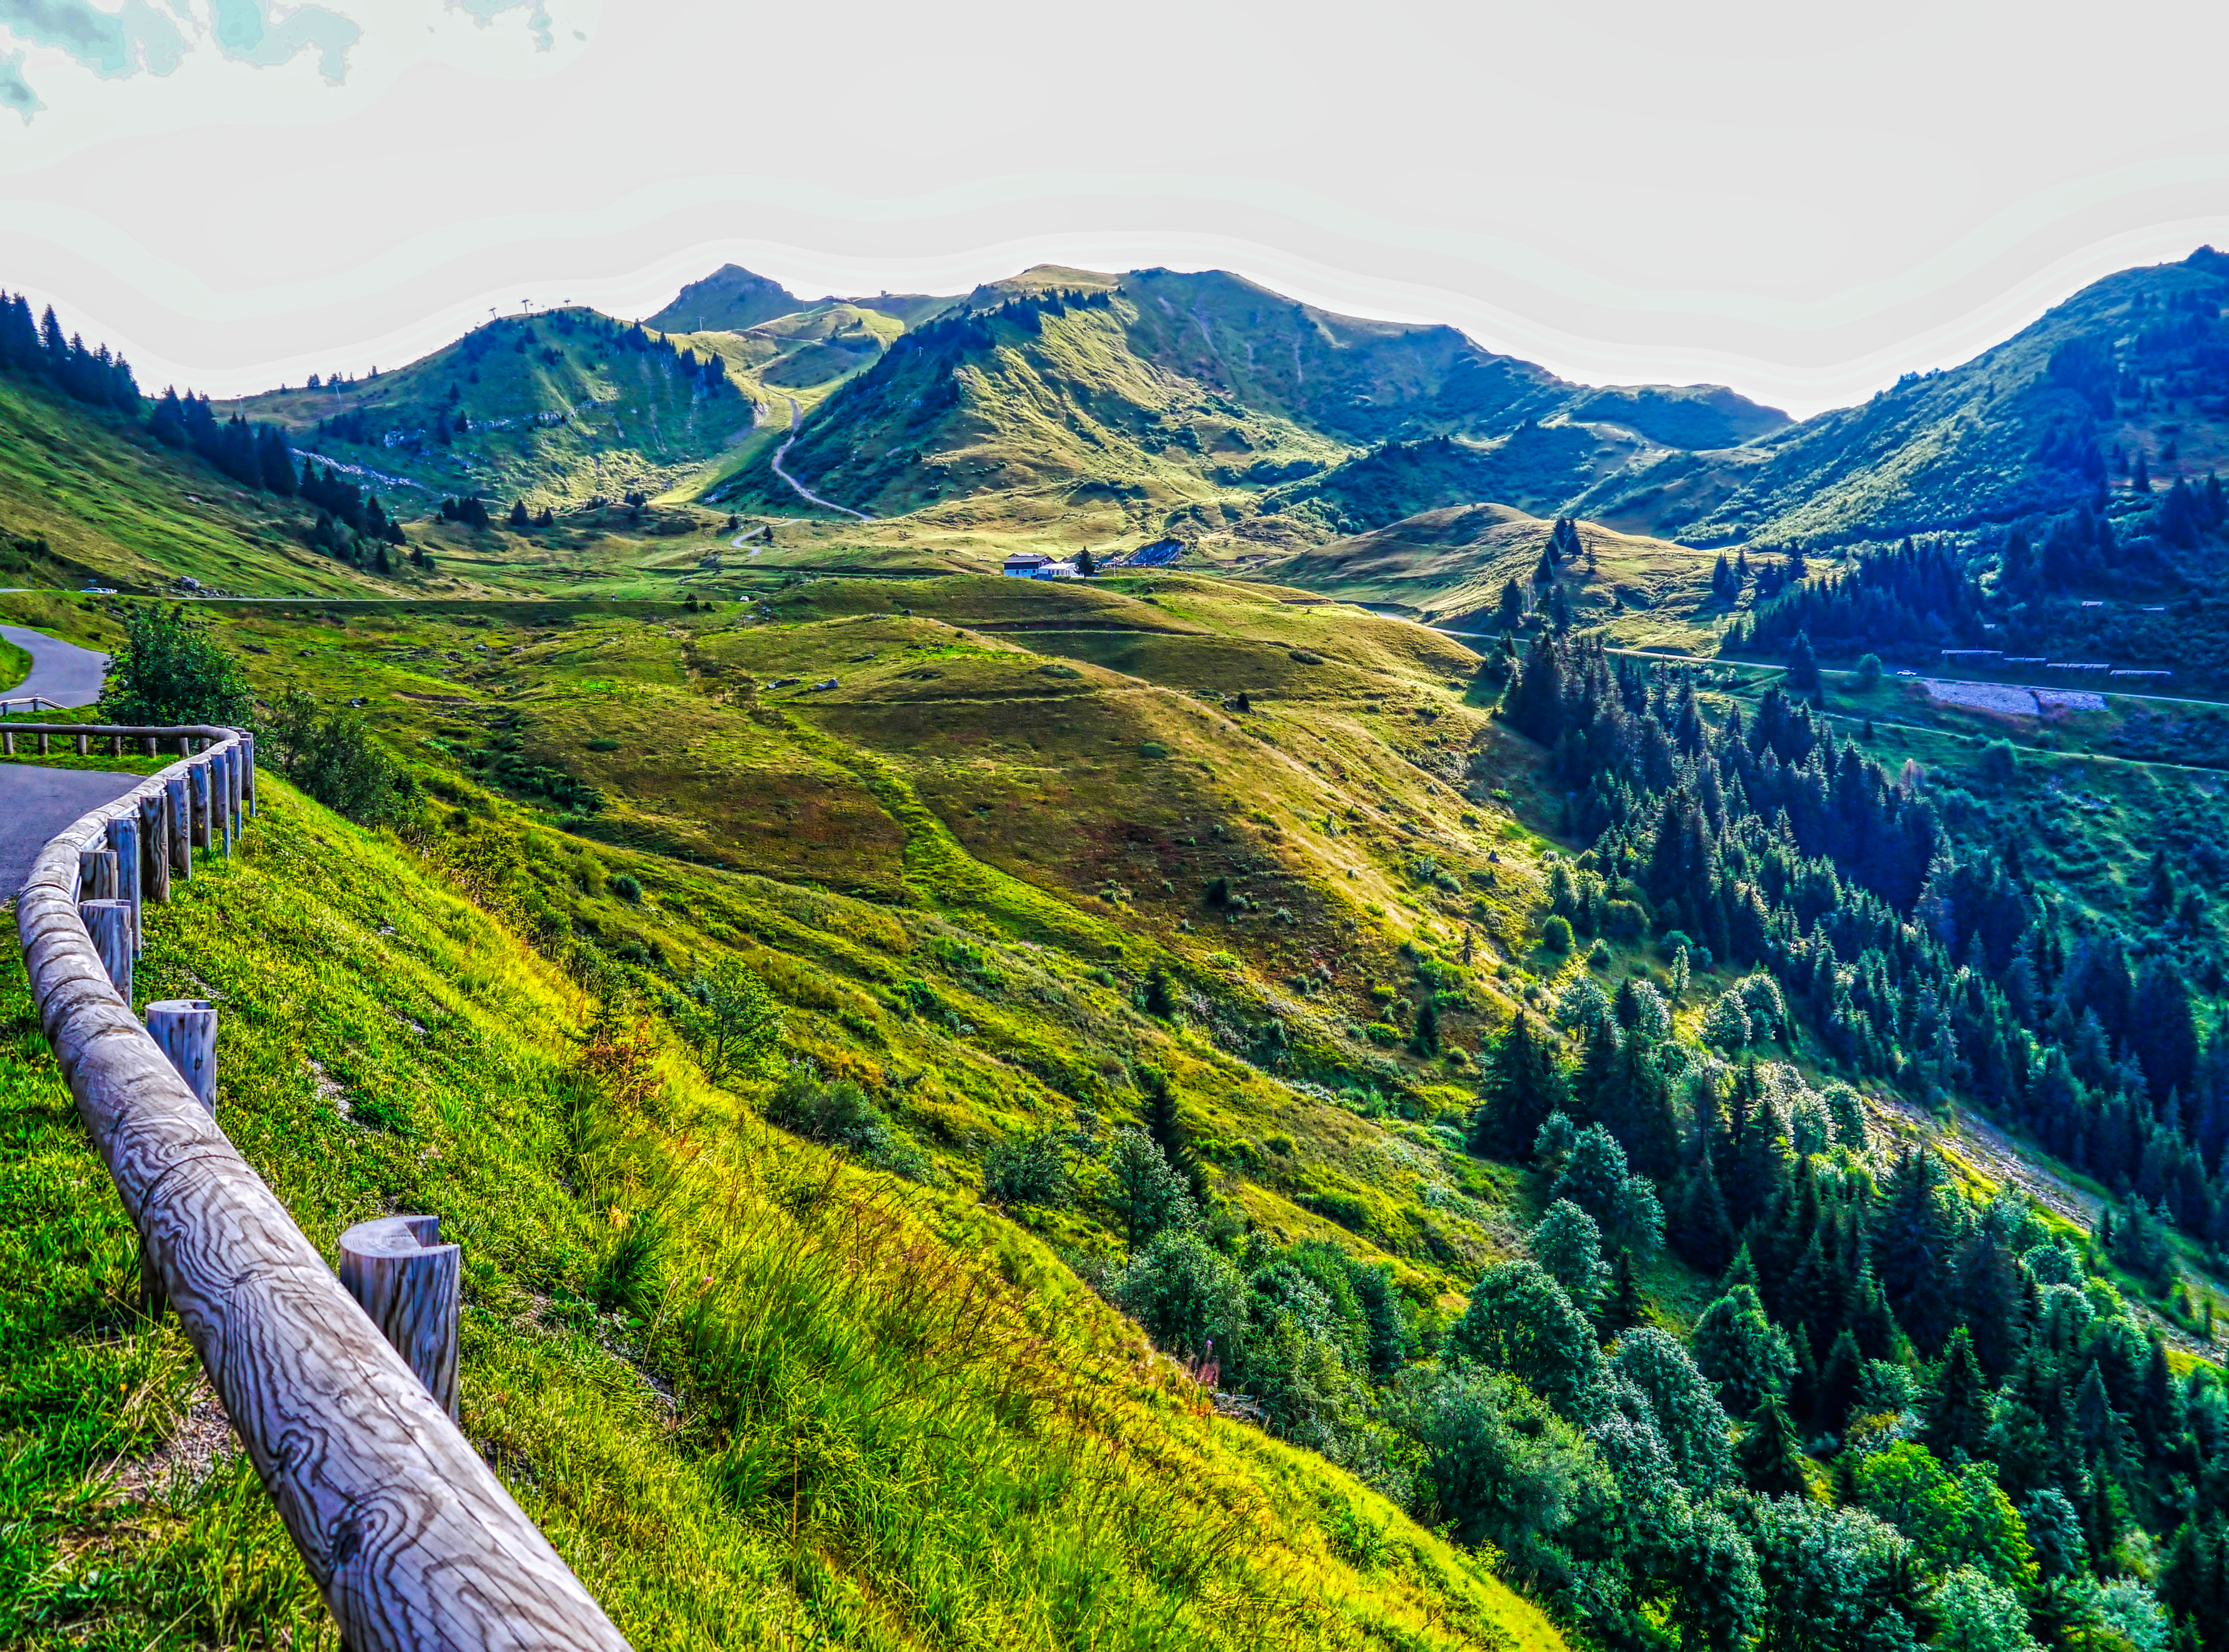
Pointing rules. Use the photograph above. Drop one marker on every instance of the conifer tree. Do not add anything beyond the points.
(1771, 1455)
(1523, 1087)
(1959, 1412)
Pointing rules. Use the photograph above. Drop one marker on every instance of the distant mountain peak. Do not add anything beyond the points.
(729, 299)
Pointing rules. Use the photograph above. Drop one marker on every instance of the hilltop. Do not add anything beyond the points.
(1174, 399)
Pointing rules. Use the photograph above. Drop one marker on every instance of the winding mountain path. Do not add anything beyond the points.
(36, 801)
(796, 419)
(61, 671)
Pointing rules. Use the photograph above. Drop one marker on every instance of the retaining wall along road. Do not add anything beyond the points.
(408, 1535)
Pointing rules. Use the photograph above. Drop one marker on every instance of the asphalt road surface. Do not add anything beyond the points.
(61, 671)
(36, 802)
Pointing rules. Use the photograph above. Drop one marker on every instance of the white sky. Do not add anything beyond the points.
(1801, 201)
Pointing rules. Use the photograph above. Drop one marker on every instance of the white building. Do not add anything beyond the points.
(1025, 565)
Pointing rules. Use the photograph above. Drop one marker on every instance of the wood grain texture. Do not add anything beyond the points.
(108, 926)
(155, 833)
(184, 1029)
(411, 1538)
(96, 874)
(124, 839)
(408, 1284)
(180, 823)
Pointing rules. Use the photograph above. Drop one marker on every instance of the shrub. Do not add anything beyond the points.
(1188, 1297)
(628, 887)
(1148, 1195)
(332, 757)
(170, 670)
(841, 1115)
(1869, 671)
(1028, 1169)
(1556, 934)
(731, 1020)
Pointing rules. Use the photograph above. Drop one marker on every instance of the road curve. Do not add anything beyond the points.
(797, 418)
(61, 671)
(36, 801)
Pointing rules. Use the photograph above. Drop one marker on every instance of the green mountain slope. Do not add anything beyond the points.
(2137, 363)
(817, 1403)
(1190, 397)
(559, 409)
(90, 498)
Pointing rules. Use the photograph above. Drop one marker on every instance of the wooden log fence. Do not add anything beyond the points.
(411, 1538)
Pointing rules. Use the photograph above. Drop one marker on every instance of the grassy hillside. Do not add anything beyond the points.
(733, 300)
(753, 1394)
(87, 498)
(1449, 566)
(2131, 365)
(561, 409)
(1198, 401)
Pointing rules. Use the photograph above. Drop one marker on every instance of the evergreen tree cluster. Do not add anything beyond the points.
(1928, 963)
(255, 456)
(1910, 601)
(38, 349)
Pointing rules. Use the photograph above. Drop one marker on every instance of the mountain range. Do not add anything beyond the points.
(1204, 404)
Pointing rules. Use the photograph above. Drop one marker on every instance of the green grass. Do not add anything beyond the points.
(833, 1405)
(113, 507)
(14, 664)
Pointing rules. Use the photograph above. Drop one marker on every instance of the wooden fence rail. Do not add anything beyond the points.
(410, 1537)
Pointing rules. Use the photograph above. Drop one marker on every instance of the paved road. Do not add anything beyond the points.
(797, 418)
(61, 671)
(36, 802)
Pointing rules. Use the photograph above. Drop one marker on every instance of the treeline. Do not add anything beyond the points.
(1936, 965)
(351, 522)
(1926, 595)
(1916, 598)
(1970, 1375)
(37, 348)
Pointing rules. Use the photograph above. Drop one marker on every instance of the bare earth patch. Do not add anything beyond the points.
(203, 1432)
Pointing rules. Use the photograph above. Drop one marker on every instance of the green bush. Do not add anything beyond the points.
(1556, 934)
(1869, 671)
(841, 1115)
(332, 756)
(170, 670)
(1028, 1169)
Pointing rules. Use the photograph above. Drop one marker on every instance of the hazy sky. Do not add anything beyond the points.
(1803, 201)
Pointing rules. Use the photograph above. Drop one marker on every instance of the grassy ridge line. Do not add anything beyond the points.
(817, 1403)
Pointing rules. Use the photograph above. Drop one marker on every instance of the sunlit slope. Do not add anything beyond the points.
(1185, 399)
(558, 409)
(91, 499)
(876, 1411)
(2133, 362)
(1449, 567)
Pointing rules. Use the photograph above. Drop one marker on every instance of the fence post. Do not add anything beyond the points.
(124, 838)
(181, 835)
(96, 874)
(197, 789)
(81, 745)
(409, 1283)
(247, 745)
(154, 834)
(108, 924)
(45, 742)
(221, 798)
(186, 1030)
